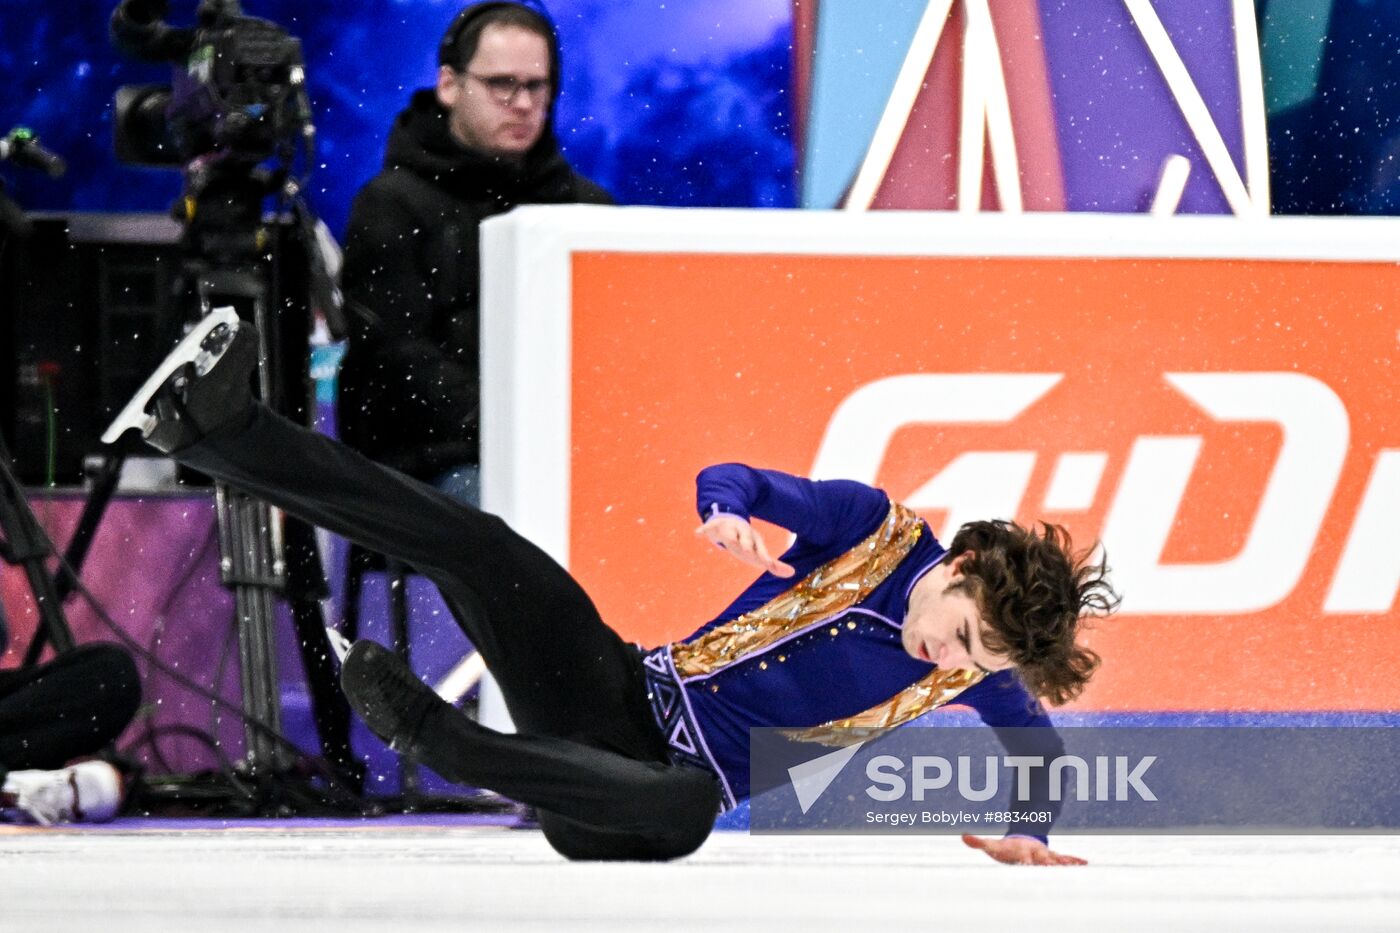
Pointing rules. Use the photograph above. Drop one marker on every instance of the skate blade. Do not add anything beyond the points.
(134, 415)
(340, 645)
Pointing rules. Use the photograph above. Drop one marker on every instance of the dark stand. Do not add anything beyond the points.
(235, 260)
(24, 545)
(104, 483)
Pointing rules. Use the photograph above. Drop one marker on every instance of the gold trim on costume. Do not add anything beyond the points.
(831, 588)
(937, 689)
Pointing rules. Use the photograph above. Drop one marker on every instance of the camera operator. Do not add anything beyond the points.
(478, 144)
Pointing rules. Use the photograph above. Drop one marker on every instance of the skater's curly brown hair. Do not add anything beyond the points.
(1034, 592)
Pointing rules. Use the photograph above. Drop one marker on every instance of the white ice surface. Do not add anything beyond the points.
(308, 881)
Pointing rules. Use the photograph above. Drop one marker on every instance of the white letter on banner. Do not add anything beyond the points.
(1368, 575)
(923, 782)
(1081, 774)
(1023, 765)
(1296, 496)
(976, 486)
(875, 771)
(989, 789)
(864, 423)
(1133, 779)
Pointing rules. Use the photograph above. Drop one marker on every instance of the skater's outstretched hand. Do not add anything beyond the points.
(1021, 850)
(738, 537)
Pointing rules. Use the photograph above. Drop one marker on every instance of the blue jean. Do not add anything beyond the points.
(462, 482)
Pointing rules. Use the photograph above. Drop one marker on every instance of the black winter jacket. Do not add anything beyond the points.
(409, 385)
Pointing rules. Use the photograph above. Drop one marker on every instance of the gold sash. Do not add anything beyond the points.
(830, 589)
(937, 689)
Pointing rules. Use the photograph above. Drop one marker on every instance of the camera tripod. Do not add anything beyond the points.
(234, 259)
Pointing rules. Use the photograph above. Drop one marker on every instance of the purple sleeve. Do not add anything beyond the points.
(1001, 701)
(1024, 728)
(817, 511)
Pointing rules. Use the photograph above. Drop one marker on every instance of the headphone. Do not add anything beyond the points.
(448, 47)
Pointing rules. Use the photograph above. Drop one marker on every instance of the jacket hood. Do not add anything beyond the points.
(421, 142)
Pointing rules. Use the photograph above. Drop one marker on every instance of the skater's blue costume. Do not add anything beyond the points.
(817, 648)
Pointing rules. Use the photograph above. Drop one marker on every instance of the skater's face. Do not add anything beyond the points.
(498, 104)
(944, 626)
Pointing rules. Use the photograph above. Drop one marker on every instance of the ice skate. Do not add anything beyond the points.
(386, 694)
(200, 385)
(90, 791)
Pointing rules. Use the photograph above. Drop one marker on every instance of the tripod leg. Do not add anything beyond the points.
(26, 546)
(104, 485)
(251, 565)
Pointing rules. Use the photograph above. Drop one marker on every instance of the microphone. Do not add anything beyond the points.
(22, 147)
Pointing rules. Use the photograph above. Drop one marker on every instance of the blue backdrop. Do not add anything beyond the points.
(685, 102)
(675, 104)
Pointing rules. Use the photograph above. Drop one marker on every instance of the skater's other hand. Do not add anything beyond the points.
(1021, 850)
(739, 538)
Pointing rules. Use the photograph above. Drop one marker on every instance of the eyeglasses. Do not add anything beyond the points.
(504, 88)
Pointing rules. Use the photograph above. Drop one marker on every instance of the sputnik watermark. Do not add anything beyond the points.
(1171, 779)
(933, 773)
(1103, 778)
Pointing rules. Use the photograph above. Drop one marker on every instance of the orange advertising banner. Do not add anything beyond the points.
(1227, 427)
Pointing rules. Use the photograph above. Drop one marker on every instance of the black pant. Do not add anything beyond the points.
(72, 706)
(589, 754)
